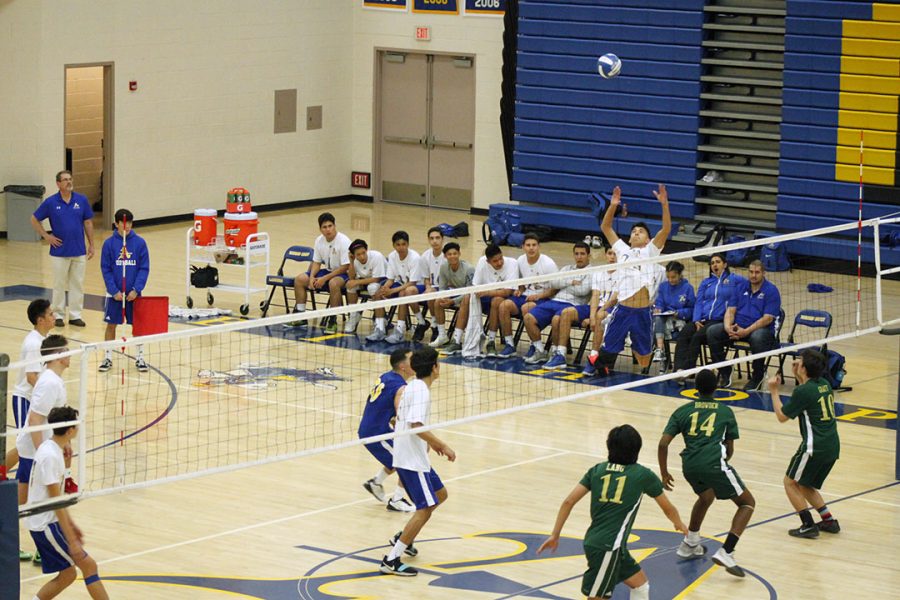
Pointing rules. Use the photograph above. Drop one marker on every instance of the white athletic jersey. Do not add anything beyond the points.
(31, 350)
(657, 275)
(408, 269)
(574, 287)
(376, 266)
(605, 282)
(430, 266)
(411, 451)
(49, 468)
(334, 254)
(632, 279)
(485, 273)
(49, 392)
(544, 265)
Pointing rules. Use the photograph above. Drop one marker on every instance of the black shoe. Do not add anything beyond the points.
(805, 531)
(395, 567)
(411, 550)
(419, 333)
(829, 526)
(77, 322)
(753, 384)
(724, 380)
(59, 323)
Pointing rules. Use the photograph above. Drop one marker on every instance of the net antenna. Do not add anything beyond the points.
(859, 236)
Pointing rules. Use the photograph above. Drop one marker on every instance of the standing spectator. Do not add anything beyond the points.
(70, 217)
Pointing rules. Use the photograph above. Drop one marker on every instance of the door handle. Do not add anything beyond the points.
(405, 140)
(449, 144)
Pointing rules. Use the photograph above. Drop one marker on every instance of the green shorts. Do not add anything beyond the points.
(810, 470)
(725, 482)
(606, 568)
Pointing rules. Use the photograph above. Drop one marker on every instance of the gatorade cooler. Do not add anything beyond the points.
(205, 227)
(238, 226)
(238, 201)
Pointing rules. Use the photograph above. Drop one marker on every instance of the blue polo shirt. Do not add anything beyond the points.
(752, 306)
(66, 222)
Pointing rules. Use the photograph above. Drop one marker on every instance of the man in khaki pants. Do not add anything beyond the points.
(70, 217)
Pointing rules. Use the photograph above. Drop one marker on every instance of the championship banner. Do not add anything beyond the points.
(442, 7)
(491, 8)
(397, 5)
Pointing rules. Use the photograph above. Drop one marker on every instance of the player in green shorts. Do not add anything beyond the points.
(616, 488)
(709, 430)
(812, 404)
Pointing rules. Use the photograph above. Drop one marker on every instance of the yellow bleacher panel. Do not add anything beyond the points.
(883, 67)
(867, 30)
(854, 119)
(871, 48)
(885, 12)
(873, 157)
(873, 139)
(871, 175)
(870, 102)
(870, 84)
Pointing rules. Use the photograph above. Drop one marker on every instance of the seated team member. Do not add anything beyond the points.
(493, 267)
(331, 261)
(403, 280)
(604, 295)
(430, 265)
(572, 292)
(713, 294)
(631, 316)
(673, 307)
(530, 264)
(455, 273)
(368, 270)
(751, 315)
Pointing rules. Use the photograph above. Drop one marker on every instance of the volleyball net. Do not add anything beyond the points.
(225, 396)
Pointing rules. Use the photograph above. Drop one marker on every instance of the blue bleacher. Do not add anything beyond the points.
(601, 99)
(833, 9)
(624, 152)
(586, 116)
(568, 63)
(568, 199)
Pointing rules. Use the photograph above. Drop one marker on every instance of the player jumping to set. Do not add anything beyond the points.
(709, 430)
(616, 488)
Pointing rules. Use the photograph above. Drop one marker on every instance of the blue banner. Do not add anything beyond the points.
(485, 7)
(392, 4)
(444, 7)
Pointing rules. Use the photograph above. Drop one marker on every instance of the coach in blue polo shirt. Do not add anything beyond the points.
(751, 315)
(70, 217)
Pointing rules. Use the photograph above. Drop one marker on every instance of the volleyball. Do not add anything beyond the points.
(609, 66)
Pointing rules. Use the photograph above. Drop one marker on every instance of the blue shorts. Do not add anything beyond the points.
(584, 312)
(486, 304)
(421, 487)
(113, 310)
(383, 452)
(625, 320)
(324, 272)
(519, 301)
(23, 470)
(54, 549)
(20, 407)
(545, 310)
(420, 287)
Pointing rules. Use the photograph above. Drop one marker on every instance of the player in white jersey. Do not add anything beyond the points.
(368, 272)
(404, 279)
(493, 267)
(631, 316)
(411, 460)
(430, 265)
(58, 539)
(530, 264)
(604, 295)
(330, 264)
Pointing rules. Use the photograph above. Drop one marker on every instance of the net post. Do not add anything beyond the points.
(9, 503)
(876, 242)
(82, 414)
(4, 388)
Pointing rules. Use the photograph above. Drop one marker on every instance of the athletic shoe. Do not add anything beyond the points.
(37, 558)
(658, 355)
(645, 370)
(331, 325)
(507, 352)
(77, 322)
(411, 550)
(395, 567)
(712, 177)
(24, 556)
(724, 380)
(490, 349)
(587, 239)
(401, 505)
(440, 340)
(530, 353)
(536, 357)
(419, 332)
(376, 489)
(451, 349)
(557, 362)
(376, 336)
(724, 559)
(141, 365)
(352, 322)
(753, 384)
(686, 550)
(596, 242)
(59, 323)
(395, 337)
(590, 368)
(805, 531)
(105, 366)
(295, 324)
(69, 486)
(829, 526)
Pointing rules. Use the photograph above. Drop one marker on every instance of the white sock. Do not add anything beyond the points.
(380, 476)
(641, 592)
(457, 335)
(561, 350)
(300, 306)
(420, 318)
(492, 335)
(539, 346)
(509, 340)
(401, 326)
(108, 355)
(595, 353)
(693, 538)
(442, 329)
(433, 321)
(380, 323)
(397, 550)
(398, 494)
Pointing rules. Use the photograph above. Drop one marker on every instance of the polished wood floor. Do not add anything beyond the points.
(306, 528)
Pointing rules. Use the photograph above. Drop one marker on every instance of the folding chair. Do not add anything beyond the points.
(294, 253)
(812, 319)
(743, 346)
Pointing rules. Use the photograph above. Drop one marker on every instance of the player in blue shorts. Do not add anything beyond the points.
(124, 251)
(378, 418)
(631, 316)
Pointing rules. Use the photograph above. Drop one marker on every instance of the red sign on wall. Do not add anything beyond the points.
(358, 179)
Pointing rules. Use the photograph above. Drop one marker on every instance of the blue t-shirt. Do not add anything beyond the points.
(380, 409)
(66, 222)
(752, 306)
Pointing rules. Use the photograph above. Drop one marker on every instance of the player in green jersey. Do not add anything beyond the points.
(616, 488)
(709, 430)
(812, 404)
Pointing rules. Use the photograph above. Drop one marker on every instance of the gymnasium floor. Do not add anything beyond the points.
(305, 528)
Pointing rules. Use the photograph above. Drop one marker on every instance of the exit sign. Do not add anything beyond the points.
(423, 34)
(358, 179)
